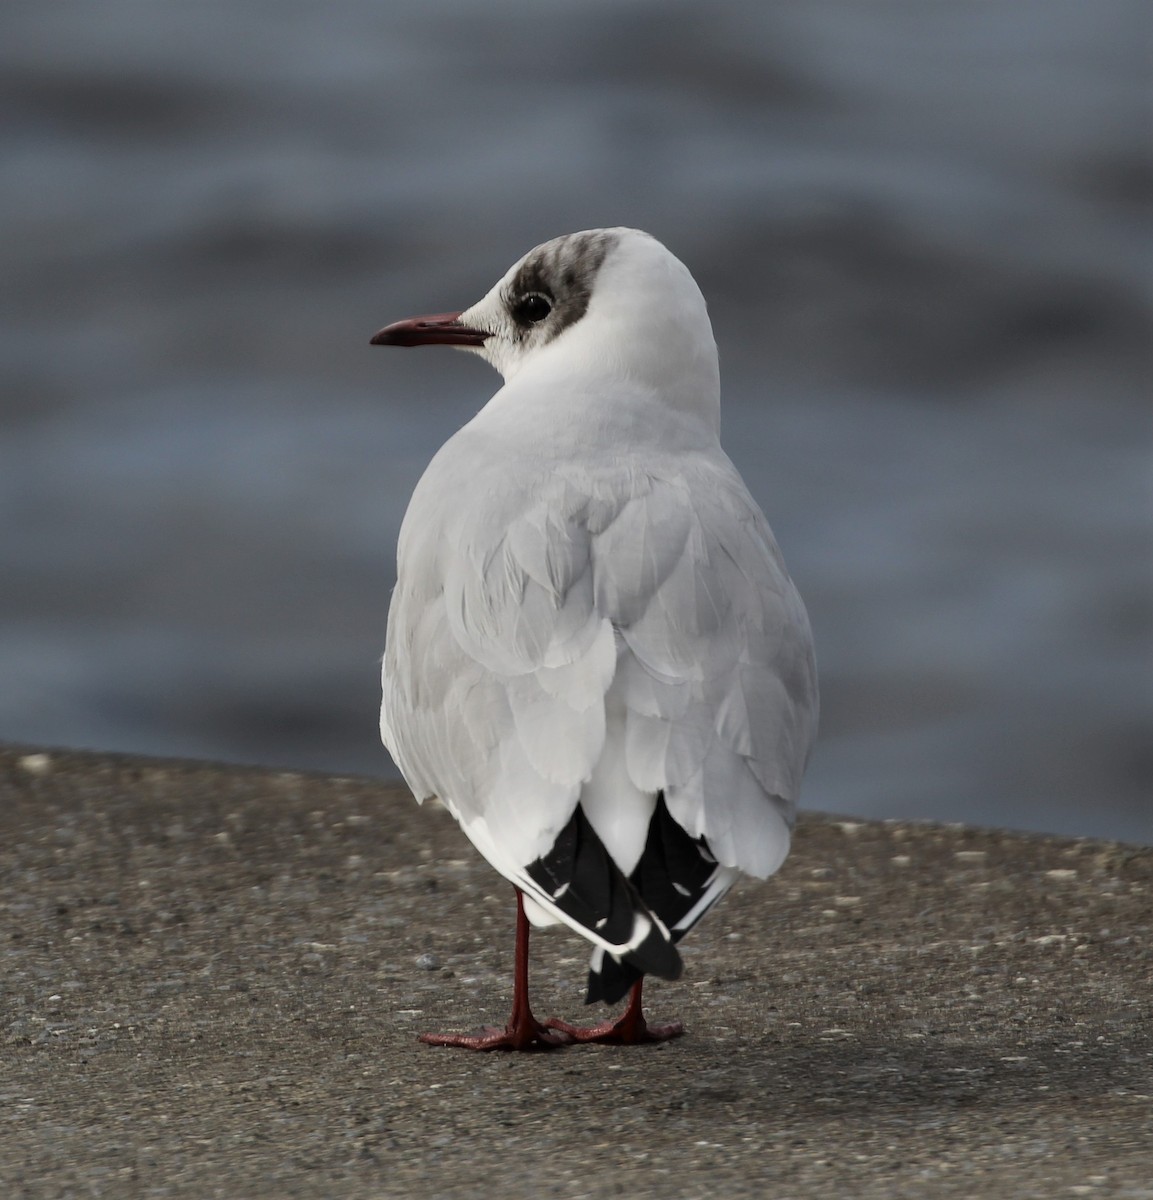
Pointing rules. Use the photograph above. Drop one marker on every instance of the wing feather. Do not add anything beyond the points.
(720, 681)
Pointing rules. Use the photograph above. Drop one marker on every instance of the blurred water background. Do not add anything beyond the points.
(922, 229)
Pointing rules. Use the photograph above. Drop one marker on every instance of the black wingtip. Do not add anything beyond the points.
(581, 879)
(672, 877)
(611, 978)
(657, 955)
(611, 981)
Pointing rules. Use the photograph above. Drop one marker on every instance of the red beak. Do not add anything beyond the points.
(440, 329)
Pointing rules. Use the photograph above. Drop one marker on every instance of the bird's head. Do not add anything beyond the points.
(605, 301)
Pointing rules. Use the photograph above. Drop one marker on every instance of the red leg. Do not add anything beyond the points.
(523, 1031)
(629, 1029)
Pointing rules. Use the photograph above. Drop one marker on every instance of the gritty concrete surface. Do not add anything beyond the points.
(213, 978)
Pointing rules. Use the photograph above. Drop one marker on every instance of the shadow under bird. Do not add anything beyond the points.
(595, 656)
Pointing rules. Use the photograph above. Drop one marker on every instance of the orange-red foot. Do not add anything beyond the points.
(524, 1036)
(626, 1031)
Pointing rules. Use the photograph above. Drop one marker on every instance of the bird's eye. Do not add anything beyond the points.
(532, 308)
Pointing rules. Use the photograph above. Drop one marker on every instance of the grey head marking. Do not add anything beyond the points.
(552, 288)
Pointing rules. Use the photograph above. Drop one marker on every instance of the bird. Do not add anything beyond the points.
(595, 657)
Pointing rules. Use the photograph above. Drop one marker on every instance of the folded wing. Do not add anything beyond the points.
(623, 637)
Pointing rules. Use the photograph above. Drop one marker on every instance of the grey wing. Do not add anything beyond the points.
(496, 668)
(718, 677)
(659, 597)
(496, 671)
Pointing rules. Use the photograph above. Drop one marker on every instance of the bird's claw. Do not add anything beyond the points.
(623, 1032)
(524, 1036)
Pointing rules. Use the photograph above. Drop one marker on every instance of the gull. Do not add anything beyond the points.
(595, 658)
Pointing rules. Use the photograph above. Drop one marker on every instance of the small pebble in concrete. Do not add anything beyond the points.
(428, 962)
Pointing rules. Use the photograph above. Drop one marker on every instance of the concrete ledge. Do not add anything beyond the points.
(212, 979)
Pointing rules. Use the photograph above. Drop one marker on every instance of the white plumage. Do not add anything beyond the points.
(590, 608)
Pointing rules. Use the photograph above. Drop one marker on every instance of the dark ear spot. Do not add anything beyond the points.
(561, 273)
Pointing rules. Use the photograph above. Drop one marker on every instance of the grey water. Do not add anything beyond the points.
(923, 232)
